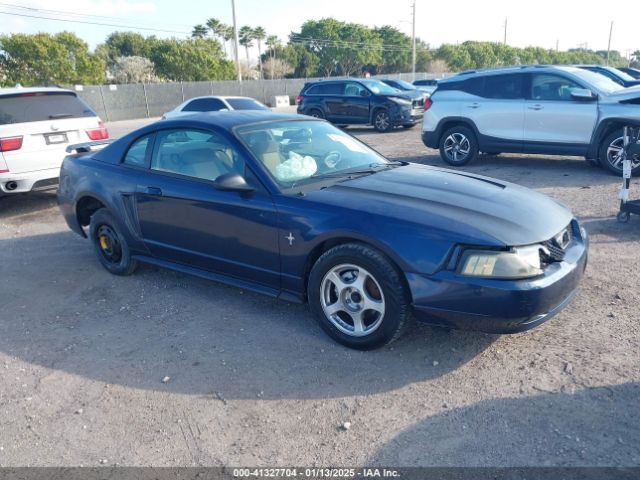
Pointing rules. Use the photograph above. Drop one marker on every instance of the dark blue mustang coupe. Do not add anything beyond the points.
(292, 207)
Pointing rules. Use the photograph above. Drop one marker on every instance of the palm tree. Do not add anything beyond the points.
(199, 31)
(272, 43)
(228, 34)
(259, 34)
(246, 39)
(217, 27)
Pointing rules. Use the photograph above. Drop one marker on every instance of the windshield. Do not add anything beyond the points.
(405, 85)
(299, 152)
(42, 106)
(598, 81)
(620, 74)
(377, 87)
(245, 104)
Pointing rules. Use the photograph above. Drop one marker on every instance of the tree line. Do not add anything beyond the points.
(321, 48)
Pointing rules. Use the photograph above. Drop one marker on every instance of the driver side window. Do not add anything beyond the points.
(195, 153)
(353, 89)
(552, 87)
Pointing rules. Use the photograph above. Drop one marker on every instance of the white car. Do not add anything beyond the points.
(214, 104)
(36, 126)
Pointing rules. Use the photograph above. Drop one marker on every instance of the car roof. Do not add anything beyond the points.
(19, 90)
(228, 120)
(512, 69)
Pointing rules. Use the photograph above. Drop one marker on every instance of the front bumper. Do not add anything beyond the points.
(406, 116)
(499, 306)
(29, 181)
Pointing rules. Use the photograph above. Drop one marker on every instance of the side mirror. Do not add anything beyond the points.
(232, 182)
(364, 93)
(582, 94)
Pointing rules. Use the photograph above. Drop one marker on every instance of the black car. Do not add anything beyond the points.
(615, 74)
(368, 102)
(633, 72)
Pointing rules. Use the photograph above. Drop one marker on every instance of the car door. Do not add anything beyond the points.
(357, 103)
(496, 106)
(554, 118)
(184, 219)
(334, 101)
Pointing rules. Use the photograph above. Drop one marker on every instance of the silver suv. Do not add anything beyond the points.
(530, 109)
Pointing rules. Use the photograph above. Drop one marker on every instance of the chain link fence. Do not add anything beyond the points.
(127, 102)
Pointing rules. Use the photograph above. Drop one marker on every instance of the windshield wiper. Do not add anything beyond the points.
(60, 115)
(372, 168)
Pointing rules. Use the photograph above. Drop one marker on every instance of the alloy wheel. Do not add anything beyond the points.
(614, 155)
(352, 300)
(457, 147)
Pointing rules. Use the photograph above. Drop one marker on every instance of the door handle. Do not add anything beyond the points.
(154, 191)
(474, 105)
(535, 107)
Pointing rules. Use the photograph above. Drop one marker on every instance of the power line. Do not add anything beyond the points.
(95, 23)
(46, 11)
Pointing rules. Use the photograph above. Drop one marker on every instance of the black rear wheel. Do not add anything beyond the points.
(314, 112)
(110, 245)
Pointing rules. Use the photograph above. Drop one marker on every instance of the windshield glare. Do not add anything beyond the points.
(298, 152)
(598, 81)
(405, 85)
(377, 87)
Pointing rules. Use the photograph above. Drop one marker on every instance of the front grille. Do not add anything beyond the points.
(556, 247)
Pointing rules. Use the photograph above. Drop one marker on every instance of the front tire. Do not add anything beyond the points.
(382, 121)
(110, 245)
(610, 154)
(458, 146)
(359, 297)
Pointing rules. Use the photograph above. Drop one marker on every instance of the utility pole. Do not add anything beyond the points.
(236, 40)
(609, 45)
(413, 33)
(557, 45)
(505, 30)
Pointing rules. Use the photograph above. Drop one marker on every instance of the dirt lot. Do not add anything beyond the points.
(253, 381)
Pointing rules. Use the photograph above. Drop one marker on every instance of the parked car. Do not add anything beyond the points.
(214, 104)
(550, 110)
(615, 74)
(295, 208)
(36, 125)
(633, 72)
(427, 86)
(355, 101)
(399, 84)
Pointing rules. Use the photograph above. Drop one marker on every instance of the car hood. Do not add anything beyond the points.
(469, 206)
(628, 93)
(405, 95)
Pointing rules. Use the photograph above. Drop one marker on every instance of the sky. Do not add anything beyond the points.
(542, 23)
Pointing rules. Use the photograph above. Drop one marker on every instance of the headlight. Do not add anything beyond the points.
(401, 101)
(521, 262)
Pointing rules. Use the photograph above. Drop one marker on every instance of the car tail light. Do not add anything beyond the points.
(299, 99)
(10, 143)
(100, 133)
(427, 103)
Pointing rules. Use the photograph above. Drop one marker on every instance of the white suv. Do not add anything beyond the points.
(531, 109)
(36, 126)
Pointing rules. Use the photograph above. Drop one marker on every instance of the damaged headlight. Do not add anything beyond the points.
(520, 262)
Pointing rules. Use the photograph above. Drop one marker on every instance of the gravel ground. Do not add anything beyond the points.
(249, 380)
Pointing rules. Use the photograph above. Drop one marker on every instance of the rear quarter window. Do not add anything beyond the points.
(39, 107)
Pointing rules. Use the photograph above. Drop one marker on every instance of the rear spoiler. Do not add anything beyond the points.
(87, 146)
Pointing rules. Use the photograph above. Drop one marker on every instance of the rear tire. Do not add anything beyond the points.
(359, 297)
(458, 146)
(316, 113)
(110, 245)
